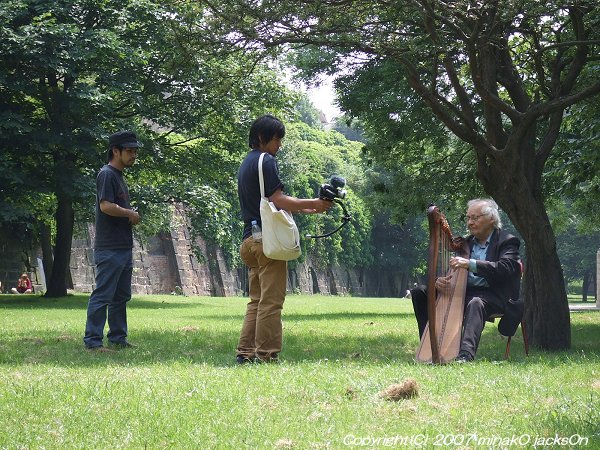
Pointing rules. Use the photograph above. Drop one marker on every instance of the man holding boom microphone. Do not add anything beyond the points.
(112, 247)
(261, 335)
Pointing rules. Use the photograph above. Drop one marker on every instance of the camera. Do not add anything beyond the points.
(333, 189)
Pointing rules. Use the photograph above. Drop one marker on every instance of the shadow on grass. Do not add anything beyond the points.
(585, 346)
(348, 315)
(358, 337)
(80, 302)
(197, 346)
(194, 345)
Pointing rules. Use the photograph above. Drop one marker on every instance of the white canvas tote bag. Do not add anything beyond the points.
(280, 236)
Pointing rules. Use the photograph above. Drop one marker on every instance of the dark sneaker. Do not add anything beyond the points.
(122, 345)
(99, 349)
(241, 359)
(463, 357)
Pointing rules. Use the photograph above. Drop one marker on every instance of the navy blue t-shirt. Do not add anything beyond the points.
(112, 232)
(249, 188)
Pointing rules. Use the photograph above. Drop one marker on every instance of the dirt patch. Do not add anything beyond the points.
(399, 391)
(35, 341)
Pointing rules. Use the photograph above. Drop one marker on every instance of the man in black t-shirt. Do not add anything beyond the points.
(112, 246)
(261, 335)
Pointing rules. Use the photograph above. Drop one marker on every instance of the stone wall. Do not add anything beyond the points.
(598, 279)
(167, 263)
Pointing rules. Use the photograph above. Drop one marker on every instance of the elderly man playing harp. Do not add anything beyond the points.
(494, 273)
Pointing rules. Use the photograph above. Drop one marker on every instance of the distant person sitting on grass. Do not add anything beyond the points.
(23, 285)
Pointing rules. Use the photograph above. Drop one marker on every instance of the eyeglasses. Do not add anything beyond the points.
(475, 218)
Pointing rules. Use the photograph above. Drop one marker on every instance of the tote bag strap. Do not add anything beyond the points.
(261, 180)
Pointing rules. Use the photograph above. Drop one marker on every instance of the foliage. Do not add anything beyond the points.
(415, 155)
(308, 158)
(307, 113)
(577, 244)
(578, 253)
(352, 129)
(72, 72)
(497, 74)
(573, 178)
(573, 172)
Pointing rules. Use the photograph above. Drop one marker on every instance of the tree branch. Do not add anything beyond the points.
(539, 66)
(560, 103)
(483, 68)
(461, 93)
(568, 44)
(543, 152)
(578, 62)
(508, 77)
(467, 134)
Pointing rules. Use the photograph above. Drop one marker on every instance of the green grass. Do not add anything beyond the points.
(180, 387)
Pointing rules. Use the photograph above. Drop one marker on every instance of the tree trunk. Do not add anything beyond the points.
(46, 243)
(547, 315)
(546, 308)
(586, 286)
(57, 286)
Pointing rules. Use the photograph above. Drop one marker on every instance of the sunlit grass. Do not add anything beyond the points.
(180, 388)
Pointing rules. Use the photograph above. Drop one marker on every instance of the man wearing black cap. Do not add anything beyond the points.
(112, 247)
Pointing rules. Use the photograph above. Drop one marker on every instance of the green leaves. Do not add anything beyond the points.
(309, 157)
(72, 72)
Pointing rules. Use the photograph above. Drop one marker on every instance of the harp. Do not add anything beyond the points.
(441, 339)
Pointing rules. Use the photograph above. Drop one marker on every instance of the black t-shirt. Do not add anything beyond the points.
(249, 188)
(112, 232)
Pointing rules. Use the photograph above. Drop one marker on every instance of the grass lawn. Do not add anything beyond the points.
(180, 388)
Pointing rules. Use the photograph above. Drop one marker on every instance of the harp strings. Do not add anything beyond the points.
(444, 249)
(445, 306)
(445, 252)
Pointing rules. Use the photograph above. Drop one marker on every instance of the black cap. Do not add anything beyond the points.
(125, 139)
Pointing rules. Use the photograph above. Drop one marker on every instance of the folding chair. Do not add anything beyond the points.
(525, 341)
(499, 316)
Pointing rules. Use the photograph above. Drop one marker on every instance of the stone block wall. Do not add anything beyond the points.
(598, 279)
(82, 258)
(168, 263)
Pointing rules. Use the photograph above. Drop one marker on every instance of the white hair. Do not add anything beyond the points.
(490, 208)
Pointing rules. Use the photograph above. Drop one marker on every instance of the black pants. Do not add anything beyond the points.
(480, 304)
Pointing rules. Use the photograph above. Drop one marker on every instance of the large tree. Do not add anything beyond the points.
(499, 74)
(74, 71)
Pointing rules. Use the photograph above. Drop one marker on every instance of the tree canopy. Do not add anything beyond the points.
(498, 74)
(457, 99)
(72, 72)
